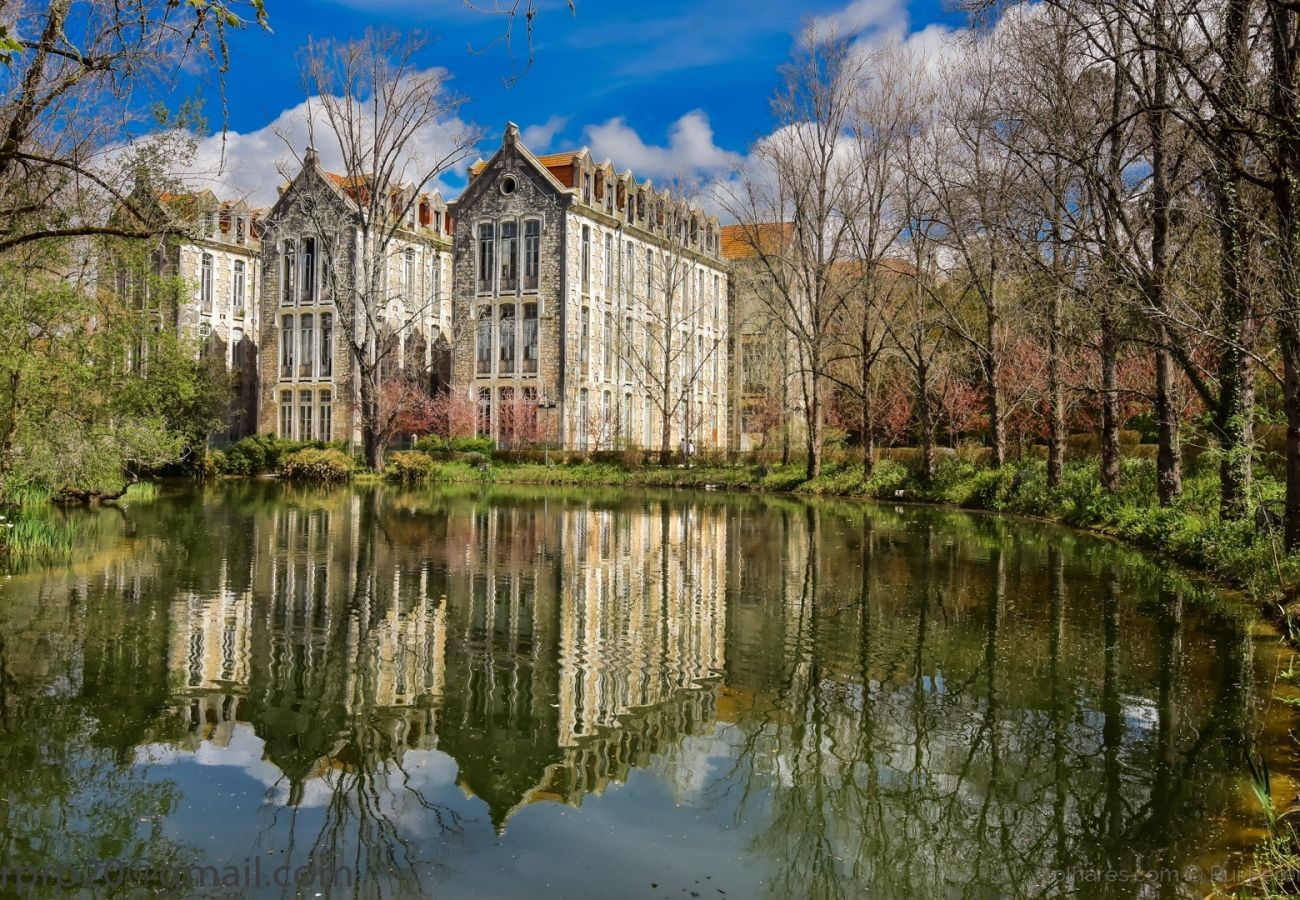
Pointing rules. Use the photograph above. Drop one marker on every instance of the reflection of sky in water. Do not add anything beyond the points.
(668, 825)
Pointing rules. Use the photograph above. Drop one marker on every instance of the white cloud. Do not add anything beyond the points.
(861, 17)
(249, 165)
(690, 151)
(538, 138)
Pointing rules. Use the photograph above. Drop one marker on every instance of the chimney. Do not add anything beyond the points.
(311, 157)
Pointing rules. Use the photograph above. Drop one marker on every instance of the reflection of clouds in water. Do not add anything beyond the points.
(425, 770)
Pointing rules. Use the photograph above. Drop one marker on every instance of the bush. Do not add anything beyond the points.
(473, 445)
(257, 455)
(407, 466)
(212, 465)
(313, 464)
(432, 444)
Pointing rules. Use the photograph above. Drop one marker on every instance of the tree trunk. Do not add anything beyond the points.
(1291, 391)
(371, 444)
(1110, 414)
(1169, 456)
(1055, 394)
(813, 467)
(925, 420)
(1235, 409)
(992, 374)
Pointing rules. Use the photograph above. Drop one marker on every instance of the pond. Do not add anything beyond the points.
(260, 690)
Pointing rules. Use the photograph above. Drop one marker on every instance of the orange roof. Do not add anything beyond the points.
(743, 241)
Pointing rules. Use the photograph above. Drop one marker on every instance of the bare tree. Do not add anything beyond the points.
(393, 123)
(662, 338)
(67, 71)
(805, 183)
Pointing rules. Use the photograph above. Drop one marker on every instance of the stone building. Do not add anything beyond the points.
(592, 307)
(310, 240)
(211, 246)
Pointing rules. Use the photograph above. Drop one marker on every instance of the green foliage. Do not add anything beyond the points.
(326, 464)
(407, 466)
(257, 455)
(432, 444)
(473, 445)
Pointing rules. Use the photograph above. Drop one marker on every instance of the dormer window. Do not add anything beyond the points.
(586, 187)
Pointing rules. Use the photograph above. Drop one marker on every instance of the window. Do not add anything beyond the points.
(607, 334)
(646, 430)
(622, 347)
(308, 270)
(586, 258)
(408, 273)
(586, 187)
(605, 413)
(584, 336)
(509, 256)
(650, 353)
(209, 224)
(483, 349)
(236, 349)
(484, 423)
(287, 338)
(435, 289)
(486, 255)
(506, 416)
(532, 253)
(240, 225)
(205, 283)
(697, 363)
(627, 417)
(609, 265)
(717, 296)
(304, 415)
(286, 414)
(629, 271)
(506, 339)
(649, 274)
(530, 338)
(289, 261)
(326, 369)
(582, 419)
(325, 424)
(306, 345)
(238, 285)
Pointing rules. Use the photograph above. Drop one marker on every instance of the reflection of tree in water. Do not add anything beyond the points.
(983, 764)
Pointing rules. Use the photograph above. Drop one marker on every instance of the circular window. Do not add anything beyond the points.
(508, 184)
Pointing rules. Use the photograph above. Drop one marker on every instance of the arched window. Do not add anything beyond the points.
(532, 253)
(486, 256)
(506, 339)
(205, 283)
(483, 348)
(509, 257)
(530, 339)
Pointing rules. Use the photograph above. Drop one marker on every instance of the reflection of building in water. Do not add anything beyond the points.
(336, 633)
(580, 636)
(547, 648)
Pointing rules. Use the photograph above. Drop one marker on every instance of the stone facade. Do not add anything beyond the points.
(589, 306)
(309, 244)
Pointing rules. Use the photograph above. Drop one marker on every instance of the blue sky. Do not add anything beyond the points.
(653, 85)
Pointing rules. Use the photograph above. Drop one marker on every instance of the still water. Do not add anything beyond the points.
(534, 693)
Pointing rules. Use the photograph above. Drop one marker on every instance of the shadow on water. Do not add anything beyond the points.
(539, 693)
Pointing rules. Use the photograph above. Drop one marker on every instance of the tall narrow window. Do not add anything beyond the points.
(325, 423)
(605, 421)
(238, 288)
(530, 339)
(486, 254)
(408, 274)
(435, 292)
(484, 425)
(627, 418)
(649, 275)
(607, 336)
(308, 270)
(240, 224)
(532, 253)
(717, 297)
(624, 340)
(582, 419)
(507, 410)
(483, 350)
(205, 283)
(509, 256)
(236, 349)
(304, 415)
(287, 339)
(289, 264)
(506, 339)
(326, 369)
(286, 415)
(584, 336)
(609, 265)
(629, 272)
(306, 345)
(586, 259)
